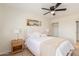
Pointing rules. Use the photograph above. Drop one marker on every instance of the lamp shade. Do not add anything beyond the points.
(16, 31)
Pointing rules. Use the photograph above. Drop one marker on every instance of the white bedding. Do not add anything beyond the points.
(48, 46)
(34, 44)
(65, 49)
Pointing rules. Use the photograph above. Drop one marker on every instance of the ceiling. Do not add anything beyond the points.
(36, 8)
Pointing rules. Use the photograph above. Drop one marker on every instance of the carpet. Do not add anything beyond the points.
(26, 52)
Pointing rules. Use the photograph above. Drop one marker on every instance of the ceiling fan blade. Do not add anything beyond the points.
(61, 9)
(45, 9)
(46, 13)
(58, 4)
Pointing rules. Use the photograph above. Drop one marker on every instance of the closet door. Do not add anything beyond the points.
(77, 30)
(55, 29)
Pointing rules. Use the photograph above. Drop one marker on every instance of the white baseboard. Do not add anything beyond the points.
(2, 53)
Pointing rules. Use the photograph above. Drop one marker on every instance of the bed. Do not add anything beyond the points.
(42, 45)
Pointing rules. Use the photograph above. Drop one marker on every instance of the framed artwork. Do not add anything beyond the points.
(33, 22)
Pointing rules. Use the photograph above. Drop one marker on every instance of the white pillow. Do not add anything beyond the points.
(35, 35)
(43, 35)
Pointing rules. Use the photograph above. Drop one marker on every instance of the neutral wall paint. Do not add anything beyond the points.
(1, 25)
(15, 19)
(67, 26)
(67, 21)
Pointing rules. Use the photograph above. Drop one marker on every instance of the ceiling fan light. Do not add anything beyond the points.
(52, 12)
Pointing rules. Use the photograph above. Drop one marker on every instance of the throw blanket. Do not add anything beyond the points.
(49, 47)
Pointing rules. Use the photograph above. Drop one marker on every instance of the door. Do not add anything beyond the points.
(77, 30)
(55, 29)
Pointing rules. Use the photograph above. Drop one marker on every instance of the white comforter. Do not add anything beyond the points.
(48, 46)
(34, 44)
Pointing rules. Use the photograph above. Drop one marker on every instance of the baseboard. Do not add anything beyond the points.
(4, 53)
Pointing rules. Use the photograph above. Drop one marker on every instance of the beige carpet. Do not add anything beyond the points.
(26, 52)
(76, 51)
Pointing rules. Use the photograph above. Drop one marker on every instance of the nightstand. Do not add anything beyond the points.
(17, 45)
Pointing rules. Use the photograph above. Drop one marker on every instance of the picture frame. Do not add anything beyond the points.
(33, 22)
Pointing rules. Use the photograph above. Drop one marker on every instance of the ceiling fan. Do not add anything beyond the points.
(53, 9)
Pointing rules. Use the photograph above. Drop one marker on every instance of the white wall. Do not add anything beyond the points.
(67, 26)
(67, 21)
(15, 19)
(1, 26)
